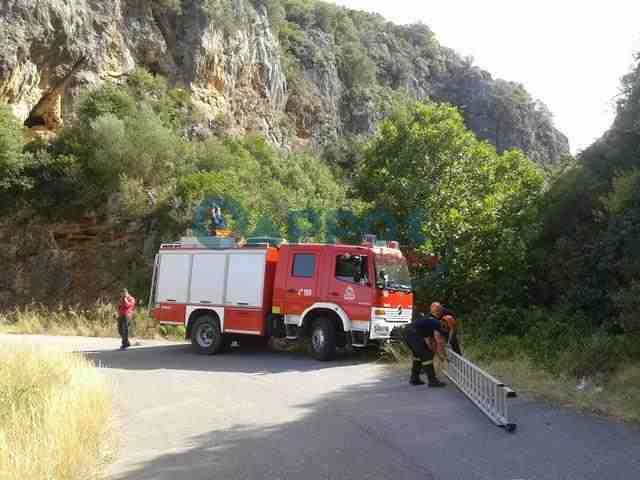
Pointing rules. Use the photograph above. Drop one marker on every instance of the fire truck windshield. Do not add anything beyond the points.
(392, 272)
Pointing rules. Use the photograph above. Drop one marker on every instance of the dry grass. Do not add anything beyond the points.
(99, 320)
(616, 396)
(55, 416)
(397, 353)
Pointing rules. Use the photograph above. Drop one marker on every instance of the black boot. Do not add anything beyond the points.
(431, 375)
(415, 373)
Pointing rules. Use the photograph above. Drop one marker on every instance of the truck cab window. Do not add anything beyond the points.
(304, 265)
(352, 269)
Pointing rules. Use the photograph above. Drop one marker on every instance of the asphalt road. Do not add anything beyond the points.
(255, 414)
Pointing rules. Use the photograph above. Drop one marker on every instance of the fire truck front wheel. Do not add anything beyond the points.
(206, 336)
(323, 340)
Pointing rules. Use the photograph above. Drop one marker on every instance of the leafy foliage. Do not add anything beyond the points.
(129, 156)
(357, 69)
(586, 254)
(520, 260)
(124, 131)
(453, 196)
(12, 158)
(227, 170)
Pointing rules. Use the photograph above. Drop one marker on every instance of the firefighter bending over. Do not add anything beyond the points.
(449, 324)
(425, 337)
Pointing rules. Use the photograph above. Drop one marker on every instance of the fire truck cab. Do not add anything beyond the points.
(334, 295)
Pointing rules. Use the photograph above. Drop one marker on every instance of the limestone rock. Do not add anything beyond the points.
(52, 49)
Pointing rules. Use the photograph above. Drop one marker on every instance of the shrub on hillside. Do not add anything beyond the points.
(12, 157)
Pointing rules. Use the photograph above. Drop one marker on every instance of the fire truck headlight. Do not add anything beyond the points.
(380, 312)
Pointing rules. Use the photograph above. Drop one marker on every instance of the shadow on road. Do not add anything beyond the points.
(386, 429)
(242, 360)
(340, 436)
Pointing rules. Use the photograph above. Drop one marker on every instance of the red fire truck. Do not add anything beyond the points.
(335, 295)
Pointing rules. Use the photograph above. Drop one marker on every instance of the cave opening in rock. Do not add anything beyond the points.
(34, 120)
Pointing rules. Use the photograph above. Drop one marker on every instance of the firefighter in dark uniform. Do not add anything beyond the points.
(424, 336)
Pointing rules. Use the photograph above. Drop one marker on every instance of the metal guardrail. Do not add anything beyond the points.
(488, 393)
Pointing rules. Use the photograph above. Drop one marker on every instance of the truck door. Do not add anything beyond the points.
(302, 282)
(350, 284)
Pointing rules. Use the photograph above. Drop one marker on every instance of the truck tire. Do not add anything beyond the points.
(323, 340)
(206, 336)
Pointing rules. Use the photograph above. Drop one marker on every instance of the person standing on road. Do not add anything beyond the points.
(125, 312)
(425, 338)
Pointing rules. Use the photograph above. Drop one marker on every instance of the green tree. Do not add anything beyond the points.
(453, 196)
(585, 254)
(265, 184)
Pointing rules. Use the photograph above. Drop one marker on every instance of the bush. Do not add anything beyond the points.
(356, 69)
(497, 348)
(496, 321)
(109, 98)
(599, 354)
(137, 146)
(557, 341)
(12, 158)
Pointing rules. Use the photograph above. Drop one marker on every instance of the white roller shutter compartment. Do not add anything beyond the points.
(173, 279)
(207, 278)
(245, 279)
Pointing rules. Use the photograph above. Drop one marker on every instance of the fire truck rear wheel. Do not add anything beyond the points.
(206, 336)
(323, 340)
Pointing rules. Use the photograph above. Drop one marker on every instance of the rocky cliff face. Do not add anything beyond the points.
(246, 75)
(408, 60)
(72, 263)
(52, 49)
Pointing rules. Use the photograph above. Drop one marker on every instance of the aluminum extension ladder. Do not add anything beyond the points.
(488, 393)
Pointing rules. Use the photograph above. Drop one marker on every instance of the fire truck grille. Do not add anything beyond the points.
(395, 315)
